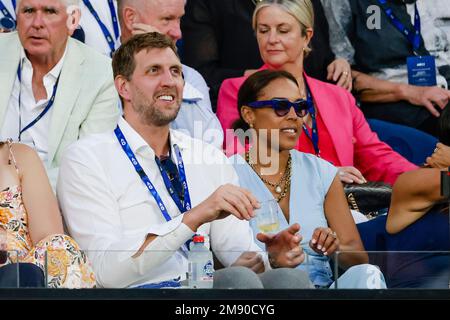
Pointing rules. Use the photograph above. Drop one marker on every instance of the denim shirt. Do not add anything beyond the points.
(311, 179)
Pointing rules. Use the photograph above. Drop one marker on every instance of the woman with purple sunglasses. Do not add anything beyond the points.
(307, 189)
(334, 129)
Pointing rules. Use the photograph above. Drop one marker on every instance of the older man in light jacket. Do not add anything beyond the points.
(55, 89)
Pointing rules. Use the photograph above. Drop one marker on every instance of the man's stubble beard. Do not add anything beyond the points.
(150, 114)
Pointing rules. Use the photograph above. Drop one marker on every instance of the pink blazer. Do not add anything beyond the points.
(355, 143)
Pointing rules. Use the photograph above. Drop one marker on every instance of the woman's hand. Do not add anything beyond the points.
(324, 241)
(284, 247)
(340, 72)
(440, 158)
(350, 175)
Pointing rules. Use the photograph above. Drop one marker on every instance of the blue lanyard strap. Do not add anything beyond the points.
(175, 283)
(46, 109)
(314, 136)
(114, 19)
(106, 33)
(412, 36)
(185, 205)
(146, 180)
(5, 11)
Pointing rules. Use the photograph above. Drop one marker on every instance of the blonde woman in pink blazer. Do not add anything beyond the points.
(336, 129)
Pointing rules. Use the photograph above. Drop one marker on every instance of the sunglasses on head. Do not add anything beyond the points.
(283, 106)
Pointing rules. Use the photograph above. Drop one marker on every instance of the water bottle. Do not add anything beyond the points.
(201, 267)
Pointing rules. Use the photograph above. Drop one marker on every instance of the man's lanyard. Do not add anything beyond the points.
(146, 180)
(42, 114)
(5, 11)
(184, 205)
(412, 36)
(314, 136)
(115, 22)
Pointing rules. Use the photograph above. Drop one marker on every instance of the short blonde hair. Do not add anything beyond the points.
(301, 10)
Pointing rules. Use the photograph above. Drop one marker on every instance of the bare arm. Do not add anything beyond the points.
(413, 194)
(340, 221)
(44, 217)
(371, 89)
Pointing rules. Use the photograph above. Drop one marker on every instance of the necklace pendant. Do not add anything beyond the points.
(278, 189)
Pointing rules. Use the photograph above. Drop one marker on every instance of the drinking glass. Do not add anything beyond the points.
(267, 217)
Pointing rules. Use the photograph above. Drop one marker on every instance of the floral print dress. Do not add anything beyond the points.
(59, 256)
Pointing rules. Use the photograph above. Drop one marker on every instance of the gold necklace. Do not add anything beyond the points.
(282, 192)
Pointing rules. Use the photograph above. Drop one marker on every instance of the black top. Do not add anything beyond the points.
(218, 41)
(384, 47)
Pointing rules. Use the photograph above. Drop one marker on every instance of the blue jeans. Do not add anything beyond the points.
(414, 269)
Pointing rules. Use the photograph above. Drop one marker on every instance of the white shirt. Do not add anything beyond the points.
(20, 116)
(94, 36)
(109, 211)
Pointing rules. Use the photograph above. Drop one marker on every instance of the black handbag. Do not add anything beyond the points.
(370, 198)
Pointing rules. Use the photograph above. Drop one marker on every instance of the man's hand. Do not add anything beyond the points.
(250, 260)
(350, 175)
(324, 241)
(284, 247)
(140, 28)
(227, 199)
(440, 158)
(432, 98)
(339, 71)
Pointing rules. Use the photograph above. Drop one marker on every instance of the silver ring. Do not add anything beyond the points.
(345, 73)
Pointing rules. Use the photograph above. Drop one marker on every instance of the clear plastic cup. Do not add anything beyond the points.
(267, 217)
